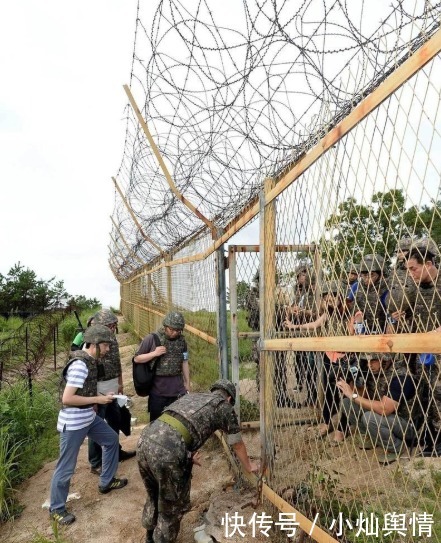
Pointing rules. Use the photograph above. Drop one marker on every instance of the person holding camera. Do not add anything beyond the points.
(383, 409)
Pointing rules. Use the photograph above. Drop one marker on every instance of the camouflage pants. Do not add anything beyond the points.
(165, 468)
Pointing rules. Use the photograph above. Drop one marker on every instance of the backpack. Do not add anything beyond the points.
(143, 374)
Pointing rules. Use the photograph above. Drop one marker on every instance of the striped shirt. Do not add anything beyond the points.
(73, 418)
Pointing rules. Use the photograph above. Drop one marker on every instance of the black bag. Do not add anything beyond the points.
(143, 374)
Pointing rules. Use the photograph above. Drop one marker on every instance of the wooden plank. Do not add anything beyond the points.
(135, 220)
(304, 523)
(402, 74)
(125, 242)
(195, 331)
(164, 168)
(428, 342)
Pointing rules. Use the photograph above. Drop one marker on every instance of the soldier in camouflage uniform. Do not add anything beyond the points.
(385, 409)
(77, 420)
(167, 450)
(401, 286)
(351, 282)
(370, 316)
(109, 380)
(422, 264)
(172, 374)
(303, 310)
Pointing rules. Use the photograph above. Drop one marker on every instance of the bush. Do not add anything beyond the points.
(69, 328)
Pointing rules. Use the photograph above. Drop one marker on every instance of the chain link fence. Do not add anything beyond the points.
(330, 323)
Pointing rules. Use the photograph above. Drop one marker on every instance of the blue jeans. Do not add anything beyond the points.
(110, 413)
(70, 443)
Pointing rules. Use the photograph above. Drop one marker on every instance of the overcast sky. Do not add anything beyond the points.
(63, 65)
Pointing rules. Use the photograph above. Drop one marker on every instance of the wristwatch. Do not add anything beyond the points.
(354, 395)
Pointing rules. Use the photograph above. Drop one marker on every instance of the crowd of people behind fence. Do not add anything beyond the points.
(386, 401)
(391, 401)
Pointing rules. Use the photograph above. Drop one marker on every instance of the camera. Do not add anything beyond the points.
(349, 371)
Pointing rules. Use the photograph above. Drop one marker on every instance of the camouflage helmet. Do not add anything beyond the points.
(301, 268)
(105, 317)
(333, 287)
(372, 263)
(383, 358)
(351, 267)
(370, 356)
(174, 320)
(426, 245)
(404, 244)
(97, 333)
(228, 386)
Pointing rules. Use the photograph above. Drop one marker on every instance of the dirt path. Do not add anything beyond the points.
(116, 517)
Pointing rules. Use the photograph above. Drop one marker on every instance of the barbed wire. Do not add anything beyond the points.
(235, 93)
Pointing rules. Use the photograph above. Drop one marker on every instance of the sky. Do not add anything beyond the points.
(63, 67)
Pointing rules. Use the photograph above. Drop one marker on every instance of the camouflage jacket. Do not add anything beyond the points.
(370, 301)
(109, 367)
(426, 314)
(204, 413)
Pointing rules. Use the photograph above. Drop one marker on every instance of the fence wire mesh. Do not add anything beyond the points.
(330, 307)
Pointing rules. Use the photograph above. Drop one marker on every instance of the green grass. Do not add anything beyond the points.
(28, 436)
(204, 364)
(9, 452)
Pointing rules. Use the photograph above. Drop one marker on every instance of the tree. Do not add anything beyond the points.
(356, 229)
(243, 289)
(21, 292)
(82, 303)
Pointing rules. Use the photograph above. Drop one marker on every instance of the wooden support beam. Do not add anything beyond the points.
(159, 158)
(135, 220)
(209, 339)
(428, 342)
(423, 55)
(402, 74)
(125, 242)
